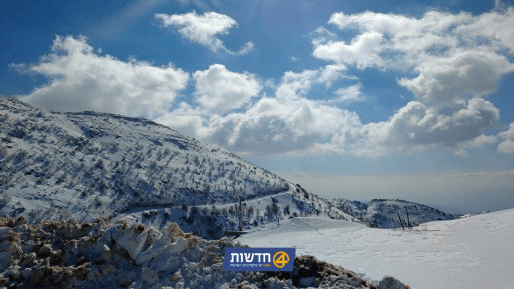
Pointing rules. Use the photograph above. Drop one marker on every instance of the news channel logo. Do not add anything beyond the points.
(259, 259)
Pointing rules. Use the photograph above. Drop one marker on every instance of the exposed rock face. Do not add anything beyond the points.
(100, 255)
(390, 283)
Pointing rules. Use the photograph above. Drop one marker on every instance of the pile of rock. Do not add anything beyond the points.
(62, 254)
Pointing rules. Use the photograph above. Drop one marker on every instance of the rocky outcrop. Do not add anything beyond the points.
(102, 255)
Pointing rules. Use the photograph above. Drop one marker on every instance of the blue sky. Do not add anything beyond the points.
(354, 99)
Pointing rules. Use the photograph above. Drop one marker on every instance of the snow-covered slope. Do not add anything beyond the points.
(84, 166)
(388, 213)
(99, 164)
(209, 221)
(472, 252)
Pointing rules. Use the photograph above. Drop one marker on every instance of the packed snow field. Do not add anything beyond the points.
(472, 252)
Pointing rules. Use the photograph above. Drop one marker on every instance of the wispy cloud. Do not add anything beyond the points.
(203, 29)
(113, 26)
(199, 3)
(349, 94)
(202, 4)
(507, 145)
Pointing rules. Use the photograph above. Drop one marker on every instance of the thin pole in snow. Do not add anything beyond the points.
(400, 221)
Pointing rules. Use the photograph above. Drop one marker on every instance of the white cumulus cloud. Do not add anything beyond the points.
(203, 29)
(450, 63)
(220, 90)
(445, 80)
(417, 126)
(80, 79)
(458, 60)
(363, 51)
(273, 126)
(285, 123)
(298, 84)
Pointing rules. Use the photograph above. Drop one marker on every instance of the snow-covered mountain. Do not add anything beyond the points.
(87, 166)
(84, 166)
(382, 213)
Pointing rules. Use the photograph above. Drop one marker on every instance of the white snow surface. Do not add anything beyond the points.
(472, 252)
